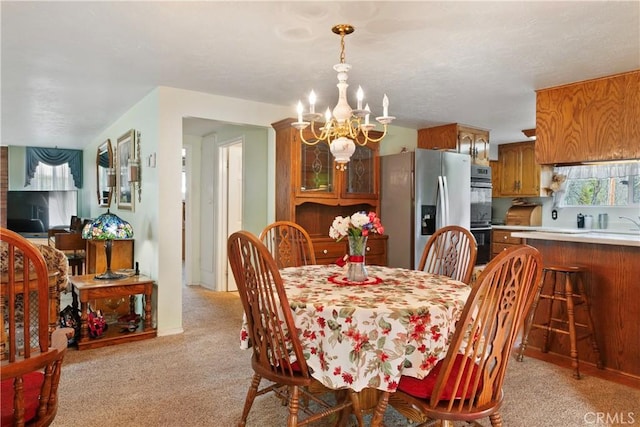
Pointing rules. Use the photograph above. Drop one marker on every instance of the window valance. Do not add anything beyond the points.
(611, 170)
(54, 157)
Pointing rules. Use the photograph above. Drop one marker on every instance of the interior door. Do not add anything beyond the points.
(234, 200)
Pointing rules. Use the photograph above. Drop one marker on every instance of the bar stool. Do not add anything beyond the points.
(570, 292)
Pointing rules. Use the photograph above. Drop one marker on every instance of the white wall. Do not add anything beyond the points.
(157, 219)
(158, 117)
(398, 138)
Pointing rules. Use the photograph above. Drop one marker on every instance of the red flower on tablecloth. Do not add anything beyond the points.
(322, 322)
(359, 340)
(309, 334)
(244, 335)
(337, 371)
(348, 378)
(323, 363)
(435, 333)
(429, 362)
(422, 348)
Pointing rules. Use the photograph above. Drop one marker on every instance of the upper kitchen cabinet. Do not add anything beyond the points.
(519, 174)
(457, 137)
(594, 120)
(311, 191)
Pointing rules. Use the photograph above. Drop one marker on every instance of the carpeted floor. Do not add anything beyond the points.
(200, 378)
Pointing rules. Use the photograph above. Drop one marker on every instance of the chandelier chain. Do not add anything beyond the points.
(342, 56)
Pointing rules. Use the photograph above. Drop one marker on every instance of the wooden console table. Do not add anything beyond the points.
(88, 288)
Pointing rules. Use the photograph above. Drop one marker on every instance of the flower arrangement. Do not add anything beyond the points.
(358, 224)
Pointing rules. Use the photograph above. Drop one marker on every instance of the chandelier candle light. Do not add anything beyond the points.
(345, 125)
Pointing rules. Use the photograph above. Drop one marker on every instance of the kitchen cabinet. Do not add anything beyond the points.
(594, 120)
(311, 192)
(519, 174)
(327, 250)
(495, 178)
(502, 240)
(456, 137)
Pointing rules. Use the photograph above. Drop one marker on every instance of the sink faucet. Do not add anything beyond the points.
(636, 223)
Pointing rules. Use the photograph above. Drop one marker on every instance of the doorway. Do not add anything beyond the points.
(230, 196)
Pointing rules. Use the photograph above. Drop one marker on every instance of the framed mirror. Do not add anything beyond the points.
(105, 173)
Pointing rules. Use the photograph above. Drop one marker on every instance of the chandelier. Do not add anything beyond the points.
(344, 125)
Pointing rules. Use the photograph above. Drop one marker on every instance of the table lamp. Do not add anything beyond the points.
(108, 227)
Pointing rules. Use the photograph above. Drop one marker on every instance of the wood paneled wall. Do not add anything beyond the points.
(4, 184)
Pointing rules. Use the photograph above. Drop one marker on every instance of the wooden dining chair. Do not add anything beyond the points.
(73, 245)
(31, 360)
(467, 384)
(450, 251)
(277, 352)
(289, 244)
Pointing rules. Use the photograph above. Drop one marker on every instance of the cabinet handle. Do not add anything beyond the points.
(325, 251)
(505, 237)
(368, 248)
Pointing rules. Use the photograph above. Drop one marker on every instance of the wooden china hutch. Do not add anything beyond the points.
(312, 192)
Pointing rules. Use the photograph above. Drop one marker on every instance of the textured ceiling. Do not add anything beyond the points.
(69, 69)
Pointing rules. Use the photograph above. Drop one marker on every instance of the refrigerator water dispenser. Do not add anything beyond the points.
(428, 222)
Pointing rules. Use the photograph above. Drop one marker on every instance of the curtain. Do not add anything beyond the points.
(52, 178)
(62, 205)
(54, 157)
(612, 170)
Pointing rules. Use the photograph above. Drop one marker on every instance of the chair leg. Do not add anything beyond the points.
(357, 410)
(251, 395)
(294, 405)
(546, 338)
(527, 327)
(568, 290)
(592, 331)
(495, 419)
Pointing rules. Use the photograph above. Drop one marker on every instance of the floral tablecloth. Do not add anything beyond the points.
(366, 336)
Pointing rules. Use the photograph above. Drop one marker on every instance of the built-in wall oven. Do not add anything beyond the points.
(481, 211)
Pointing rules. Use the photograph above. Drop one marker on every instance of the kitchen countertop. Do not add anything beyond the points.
(580, 235)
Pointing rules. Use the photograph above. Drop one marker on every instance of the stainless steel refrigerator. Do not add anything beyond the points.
(421, 192)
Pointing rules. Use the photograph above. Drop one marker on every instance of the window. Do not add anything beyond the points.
(49, 177)
(600, 185)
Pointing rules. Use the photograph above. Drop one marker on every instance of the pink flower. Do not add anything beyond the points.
(358, 224)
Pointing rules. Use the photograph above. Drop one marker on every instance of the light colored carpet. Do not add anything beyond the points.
(200, 378)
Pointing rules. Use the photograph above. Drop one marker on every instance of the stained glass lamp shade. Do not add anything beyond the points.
(108, 227)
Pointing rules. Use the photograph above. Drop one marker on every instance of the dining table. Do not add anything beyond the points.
(366, 335)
